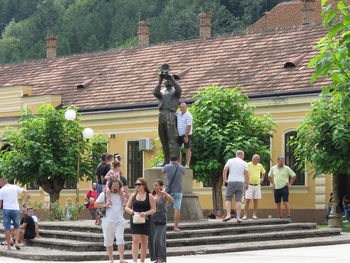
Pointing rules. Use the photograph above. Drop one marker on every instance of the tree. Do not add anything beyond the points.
(323, 138)
(224, 123)
(45, 150)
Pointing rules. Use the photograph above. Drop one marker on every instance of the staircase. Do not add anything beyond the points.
(83, 241)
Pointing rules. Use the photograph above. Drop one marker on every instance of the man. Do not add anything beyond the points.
(281, 178)
(184, 127)
(36, 221)
(113, 222)
(91, 197)
(256, 174)
(236, 182)
(174, 172)
(27, 227)
(9, 200)
(102, 169)
(168, 103)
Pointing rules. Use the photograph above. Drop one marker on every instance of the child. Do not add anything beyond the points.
(115, 172)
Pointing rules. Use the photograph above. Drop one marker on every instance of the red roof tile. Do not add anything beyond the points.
(128, 76)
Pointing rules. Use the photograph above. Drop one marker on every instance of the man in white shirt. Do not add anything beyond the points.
(235, 184)
(9, 200)
(113, 222)
(184, 127)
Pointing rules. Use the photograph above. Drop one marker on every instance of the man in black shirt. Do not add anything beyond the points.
(102, 169)
(27, 227)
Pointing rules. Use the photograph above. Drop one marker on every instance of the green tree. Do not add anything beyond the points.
(224, 123)
(323, 138)
(45, 150)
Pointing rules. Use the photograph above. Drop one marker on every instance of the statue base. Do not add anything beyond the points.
(190, 207)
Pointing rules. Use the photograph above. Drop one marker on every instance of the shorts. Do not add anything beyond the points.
(28, 236)
(113, 230)
(177, 200)
(8, 216)
(234, 188)
(181, 141)
(282, 193)
(253, 192)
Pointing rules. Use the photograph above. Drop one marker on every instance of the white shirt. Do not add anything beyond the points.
(184, 120)
(8, 195)
(35, 219)
(114, 213)
(237, 167)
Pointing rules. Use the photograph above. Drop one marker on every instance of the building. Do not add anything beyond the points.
(113, 90)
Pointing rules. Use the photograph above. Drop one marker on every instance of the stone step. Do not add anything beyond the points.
(88, 236)
(35, 253)
(185, 233)
(221, 238)
(89, 226)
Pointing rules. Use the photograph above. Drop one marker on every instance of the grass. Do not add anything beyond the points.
(345, 227)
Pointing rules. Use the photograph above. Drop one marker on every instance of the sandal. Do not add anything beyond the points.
(226, 219)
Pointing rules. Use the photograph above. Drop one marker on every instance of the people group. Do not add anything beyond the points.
(240, 177)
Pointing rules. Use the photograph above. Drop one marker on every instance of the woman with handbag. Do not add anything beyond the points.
(157, 237)
(141, 205)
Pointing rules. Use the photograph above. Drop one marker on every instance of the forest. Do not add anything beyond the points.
(93, 25)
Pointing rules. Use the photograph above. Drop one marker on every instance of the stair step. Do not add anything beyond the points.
(88, 236)
(89, 225)
(77, 245)
(59, 255)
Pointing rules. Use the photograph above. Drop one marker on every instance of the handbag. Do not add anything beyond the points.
(159, 219)
(138, 219)
(101, 212)
(168, 188)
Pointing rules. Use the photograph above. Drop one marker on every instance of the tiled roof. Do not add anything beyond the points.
(127, 76)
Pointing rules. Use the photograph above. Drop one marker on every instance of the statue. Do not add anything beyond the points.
(168, 104)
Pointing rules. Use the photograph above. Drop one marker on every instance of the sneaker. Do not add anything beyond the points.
(289, 219)
(255, 218)
(245, 218)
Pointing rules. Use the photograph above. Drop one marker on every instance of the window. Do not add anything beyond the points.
(266, 164)
(291, 160)
(70, 185)
(135, 162)
(32, 187)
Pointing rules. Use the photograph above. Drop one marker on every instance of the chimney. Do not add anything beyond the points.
(143, 33)
(204, 25)
(307, 11)
(51, 46)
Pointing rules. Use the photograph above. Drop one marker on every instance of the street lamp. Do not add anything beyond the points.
(88, 133)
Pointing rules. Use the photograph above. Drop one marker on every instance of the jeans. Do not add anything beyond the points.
(8, 216)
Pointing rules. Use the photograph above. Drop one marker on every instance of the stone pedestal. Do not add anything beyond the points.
(190, 207)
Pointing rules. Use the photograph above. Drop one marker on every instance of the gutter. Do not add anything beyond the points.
(154, 105)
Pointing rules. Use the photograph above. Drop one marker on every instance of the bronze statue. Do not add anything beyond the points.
(168, 104)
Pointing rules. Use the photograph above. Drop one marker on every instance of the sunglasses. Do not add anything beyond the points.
(138, 184)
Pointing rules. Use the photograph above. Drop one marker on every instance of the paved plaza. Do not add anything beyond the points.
(326, 254)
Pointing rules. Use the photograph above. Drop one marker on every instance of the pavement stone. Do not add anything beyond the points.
(316, 254)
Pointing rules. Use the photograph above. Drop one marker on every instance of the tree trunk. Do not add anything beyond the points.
(217, 193)
(53, 188)
(335, 216)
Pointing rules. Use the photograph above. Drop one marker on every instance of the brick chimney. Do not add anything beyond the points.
(143, 33)
(51, 46)
(308, 11)
(204, 25)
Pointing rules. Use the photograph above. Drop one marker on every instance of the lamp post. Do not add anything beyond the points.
(88, 133)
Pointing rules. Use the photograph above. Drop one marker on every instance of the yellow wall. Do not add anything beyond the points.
(123, 126)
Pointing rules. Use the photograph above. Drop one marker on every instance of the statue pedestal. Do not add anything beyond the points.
(190, 207)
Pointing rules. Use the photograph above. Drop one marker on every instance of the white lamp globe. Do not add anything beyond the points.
(70, 115)
(88, 133)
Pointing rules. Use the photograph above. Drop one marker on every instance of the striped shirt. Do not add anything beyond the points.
(183, 120)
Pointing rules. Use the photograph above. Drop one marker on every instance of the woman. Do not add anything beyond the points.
(157, 237)
(113, 222)
(143, 204)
